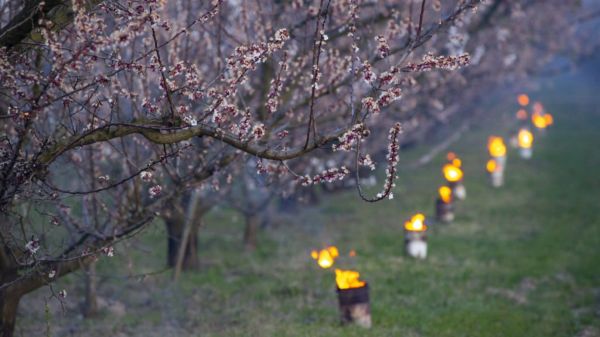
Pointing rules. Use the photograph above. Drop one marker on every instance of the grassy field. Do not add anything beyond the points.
(523, 260)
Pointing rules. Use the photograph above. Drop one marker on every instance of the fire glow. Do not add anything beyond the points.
(491, 166)
(416, 223)
(452, 173)
(326, 257)
(445, 194)
(522, 114)
(348, 279)
(453, 159)
(539, 120)
(496, 146)
(523, 99)
(525, 139)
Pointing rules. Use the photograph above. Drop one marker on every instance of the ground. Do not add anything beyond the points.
(522, 260)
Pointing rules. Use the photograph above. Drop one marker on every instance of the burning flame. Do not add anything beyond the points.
(352, 253)
(525, 138)
(522, 114)
(445, 194)
(453, 159)
(539, 120)
(348, 279)
(523, 99)
(452, 173)
(326, 257)
(416, 223)
(496, 146)
(549, 119)
(491, 166)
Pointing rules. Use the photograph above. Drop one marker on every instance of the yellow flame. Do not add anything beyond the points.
(491, 166)
(525, 138)
(522, 114)
(523, 99)
(538, 120)
(496, 146)
(326, 257)
(348, 279)
(416, 223)
(549, 119)
(457, 162)
(445, 194)
(452, 173)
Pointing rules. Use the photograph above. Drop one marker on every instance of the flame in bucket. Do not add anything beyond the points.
(348, 279)
(452, 173)
(453, 159)
(523, 99)
(496, 146)
(525, 138)
(325, 257)
(539, 120)
(416, 223)
(445, 194)
(492, 166)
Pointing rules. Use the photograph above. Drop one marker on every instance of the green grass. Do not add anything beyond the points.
(522, 260)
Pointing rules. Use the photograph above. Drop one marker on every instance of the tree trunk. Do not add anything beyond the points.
(251, 231)
(9, 303)
(175, 231)
(8, 312)
(90, 306)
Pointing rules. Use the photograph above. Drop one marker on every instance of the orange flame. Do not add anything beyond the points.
(523, 99)
(452, 173)
(445, 194)
(496, 146)
(457, 162)
(491, 166)
(538, 120)
(522, 114)
(326, 257)
(549, 119)
(416, 223)
(525, 138)
(352, 253)
(348, 279)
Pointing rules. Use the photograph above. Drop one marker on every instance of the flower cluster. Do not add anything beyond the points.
(431, 62)
(146, 176)
(383, 48)
(385, 99)
(33, 246)
(108, 251)
(155, 191)
(368, 74)
(327, 176)
(350, 137)
(276, 87)
(365, 160)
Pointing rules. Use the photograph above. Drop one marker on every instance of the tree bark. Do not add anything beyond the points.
(251, 231)
(9, 304)
(175, 233)
(90, 305)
